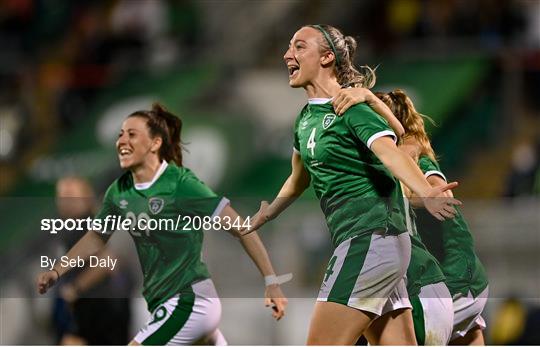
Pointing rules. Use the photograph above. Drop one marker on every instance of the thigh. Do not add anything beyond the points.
(392, 328)
(337, 324)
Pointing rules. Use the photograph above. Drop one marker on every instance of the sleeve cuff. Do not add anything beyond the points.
(379, 135)
(435, 172)
(222, 204)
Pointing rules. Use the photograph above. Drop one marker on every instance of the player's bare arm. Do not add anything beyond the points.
(351, 96)
(256, 250)
(405, 169)
(294, 186)
(90, 244)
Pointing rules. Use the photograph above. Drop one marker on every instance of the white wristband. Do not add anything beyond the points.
(273, 279)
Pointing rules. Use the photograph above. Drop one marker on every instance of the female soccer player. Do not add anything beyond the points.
(465, 275)
(351, 162)
(431, 301)
(156, 187)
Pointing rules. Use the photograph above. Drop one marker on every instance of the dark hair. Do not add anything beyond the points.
(166, 125)
(344, 47)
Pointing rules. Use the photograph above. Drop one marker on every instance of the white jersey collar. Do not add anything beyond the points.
(146, 185)
(319, 101)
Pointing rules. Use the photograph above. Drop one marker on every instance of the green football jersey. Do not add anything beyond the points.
(170, 257)
(357, 193)
(452, 244)
(423, 269)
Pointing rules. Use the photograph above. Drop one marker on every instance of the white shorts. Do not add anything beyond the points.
(185, 319)
(367, 273)
(438, 314)
(468, 312)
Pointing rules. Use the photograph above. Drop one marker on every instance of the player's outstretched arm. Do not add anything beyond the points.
(435, 181)
(351, 96)
(294, 186)
(412, 149)
(406, 170)
(90, 244)
(257, 252)
(87, 279)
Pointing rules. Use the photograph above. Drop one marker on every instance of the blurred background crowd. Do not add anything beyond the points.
(70, 71)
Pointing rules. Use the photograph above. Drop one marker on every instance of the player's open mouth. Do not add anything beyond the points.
(293, 70)
(123, 152)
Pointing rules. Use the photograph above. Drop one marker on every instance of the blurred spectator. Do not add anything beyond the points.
(521, 180)
(13, 115)
(515, 323)
(508, 323)
(92, 305)
(145, 19)
(87, 53)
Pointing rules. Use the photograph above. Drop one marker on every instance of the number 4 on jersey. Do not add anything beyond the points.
(311, 142)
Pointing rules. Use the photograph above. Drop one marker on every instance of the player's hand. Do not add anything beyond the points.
(46, 280)
(349, 97)
(274, 298)
(439, 203)
(258, 220)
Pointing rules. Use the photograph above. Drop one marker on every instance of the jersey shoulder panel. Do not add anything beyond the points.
(366, 124)
(189, 185)
(108, 206)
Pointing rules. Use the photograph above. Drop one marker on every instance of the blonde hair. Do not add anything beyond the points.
(344, 47)
(413, 121)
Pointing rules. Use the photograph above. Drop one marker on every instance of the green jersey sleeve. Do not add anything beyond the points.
(108, 208)
(196, 198)
(430, 167)
(367, 125)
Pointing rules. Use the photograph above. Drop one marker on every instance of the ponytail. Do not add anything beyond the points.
(166, 125)
(171, 150)
(344, 48)
(413, 122)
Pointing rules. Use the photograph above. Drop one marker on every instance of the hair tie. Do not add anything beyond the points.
(329, 40)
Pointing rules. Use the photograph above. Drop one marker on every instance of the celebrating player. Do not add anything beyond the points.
(177, 286)
(432, 311)
(465, 275)
(351, 162)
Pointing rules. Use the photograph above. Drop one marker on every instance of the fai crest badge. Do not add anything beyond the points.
(156, 205)
(328, 120)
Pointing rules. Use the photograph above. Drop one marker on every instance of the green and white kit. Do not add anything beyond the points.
(453, 245)
(433, 314)
(170, 259)
(362, 204)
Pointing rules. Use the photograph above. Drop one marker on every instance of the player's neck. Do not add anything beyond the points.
(323, 87)
(146, 171)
